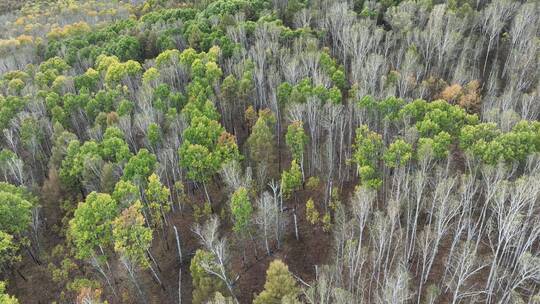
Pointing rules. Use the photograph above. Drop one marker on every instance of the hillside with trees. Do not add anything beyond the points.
(270, 151)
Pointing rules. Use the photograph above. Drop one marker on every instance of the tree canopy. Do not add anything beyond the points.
(387, 151)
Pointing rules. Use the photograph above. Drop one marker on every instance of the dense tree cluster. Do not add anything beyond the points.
(343, 151)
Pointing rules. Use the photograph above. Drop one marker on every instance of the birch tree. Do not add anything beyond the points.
(217, 264)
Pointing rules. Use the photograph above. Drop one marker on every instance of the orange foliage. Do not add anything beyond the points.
(250, 115)
(451, 93)
(23, 39)
(468, 97)
(88, 295)
(68, 30)
(112, 118)
(471, 100)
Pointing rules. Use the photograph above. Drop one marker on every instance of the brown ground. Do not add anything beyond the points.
(313, 248)
(38, 286)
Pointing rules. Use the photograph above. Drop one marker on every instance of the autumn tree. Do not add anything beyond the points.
(204, 284)
(262, 146)
(241, 211)
(157, 196)
(216, 261)
(269, 219)
(206, 147)
(280, 285)
(296, 140)
(312, 214)
(132, 240)
(88, 295)
(90, 230)
(367, 149)
(125, 193)
(291, 180)
(8, 251)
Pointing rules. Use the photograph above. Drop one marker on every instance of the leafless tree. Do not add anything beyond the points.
(494, 18)
(209, 237)
(269, 220)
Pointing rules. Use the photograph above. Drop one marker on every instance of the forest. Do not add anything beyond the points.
(269, 151)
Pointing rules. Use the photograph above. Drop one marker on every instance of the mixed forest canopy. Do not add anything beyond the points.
(270, 151)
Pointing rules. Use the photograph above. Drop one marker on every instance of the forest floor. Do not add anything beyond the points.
(312, 248)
